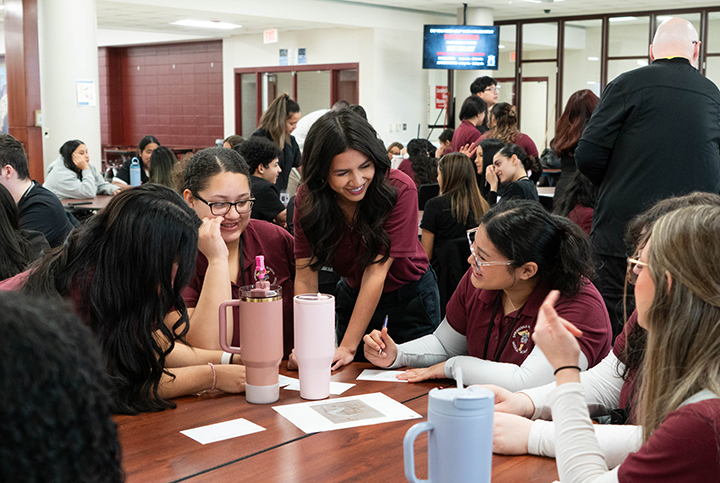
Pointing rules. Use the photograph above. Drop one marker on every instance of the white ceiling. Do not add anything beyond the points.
(255, 16)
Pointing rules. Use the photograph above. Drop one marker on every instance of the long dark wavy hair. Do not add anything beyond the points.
(118, 270)
(17, 253)
(579, 191)
(55, 404)
(321, 218)
(66, 151)
(423, 165)
(569, 127)
(524, 231)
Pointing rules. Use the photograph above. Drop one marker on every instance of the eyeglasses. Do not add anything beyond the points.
(471, 239)
(493, 88)
(222, 208)
(634, 267)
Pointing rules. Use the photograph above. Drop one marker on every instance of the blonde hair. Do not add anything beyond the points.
(505, 122)
(273, 120)
(683, 342)
(460, 184)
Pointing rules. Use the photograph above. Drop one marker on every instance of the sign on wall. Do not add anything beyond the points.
(441, 97)
(86, 93)
(270, 36)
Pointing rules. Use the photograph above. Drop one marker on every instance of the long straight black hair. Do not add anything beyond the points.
(118, 270)
(321, 218)
(17, 253)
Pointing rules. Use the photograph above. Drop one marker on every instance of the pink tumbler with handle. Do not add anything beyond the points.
(314, 342)
(261, 339)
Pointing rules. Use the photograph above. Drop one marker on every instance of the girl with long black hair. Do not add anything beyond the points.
(124, 270)
(358, 216)
(19, 247)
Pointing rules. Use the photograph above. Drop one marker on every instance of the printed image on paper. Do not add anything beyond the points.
(347, 411)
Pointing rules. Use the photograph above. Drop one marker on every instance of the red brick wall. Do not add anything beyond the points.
(172, 91)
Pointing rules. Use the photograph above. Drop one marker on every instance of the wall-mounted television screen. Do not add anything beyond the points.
(456, 47)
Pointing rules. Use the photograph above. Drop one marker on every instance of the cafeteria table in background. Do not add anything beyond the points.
(154, 450)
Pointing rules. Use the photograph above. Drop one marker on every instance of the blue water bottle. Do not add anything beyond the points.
(135, 179)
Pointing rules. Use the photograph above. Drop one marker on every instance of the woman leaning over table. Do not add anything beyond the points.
(358, 216)
(72, 176)
(677, 295)
(124, 270)
(520, 253)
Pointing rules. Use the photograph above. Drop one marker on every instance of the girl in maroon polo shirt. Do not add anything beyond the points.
(677, 295)
(519, 253)
(216, 184)
(358, 216)
(124, 270)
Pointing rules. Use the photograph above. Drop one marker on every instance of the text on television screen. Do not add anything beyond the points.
(460, 47)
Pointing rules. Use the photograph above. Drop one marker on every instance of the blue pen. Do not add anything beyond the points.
(384, 327)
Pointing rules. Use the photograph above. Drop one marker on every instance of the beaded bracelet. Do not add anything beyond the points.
(566, 367)
(214, 375)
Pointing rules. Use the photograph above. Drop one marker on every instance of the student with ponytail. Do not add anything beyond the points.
(510, 167)
(520, 252)
(504, 126)
(277, 124)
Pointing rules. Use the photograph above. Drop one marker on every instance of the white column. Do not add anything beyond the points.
(67, 37)
(463, 78)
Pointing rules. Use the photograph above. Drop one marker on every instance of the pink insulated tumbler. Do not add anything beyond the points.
(314, 343)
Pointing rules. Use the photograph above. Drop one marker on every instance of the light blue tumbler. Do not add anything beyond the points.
(135, 178)
(460, 432)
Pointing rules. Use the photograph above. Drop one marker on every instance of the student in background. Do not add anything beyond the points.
(419, 165)
(358, 216)
(445, 139)
(277, 124)
(19, 248)
(486, 151)
(520, 252)
(39, 209)
(216, 184)
(147, 145)
(231, 141)
(504, 126)
(395, 149)
(577, 202)
(72, 176)
(261, 156)
(55, 405)
(568, 130)
(472, 115)
(124, 270)
(510, 167)
(162, 164)
(486, 88)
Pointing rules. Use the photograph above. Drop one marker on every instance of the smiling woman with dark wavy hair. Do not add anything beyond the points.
(358, 216)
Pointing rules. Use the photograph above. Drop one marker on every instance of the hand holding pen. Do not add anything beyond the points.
(380, 349)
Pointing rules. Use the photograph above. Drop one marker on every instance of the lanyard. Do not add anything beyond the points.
(501, 347)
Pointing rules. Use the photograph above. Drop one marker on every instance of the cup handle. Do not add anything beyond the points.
(222, 315)
(409, 450)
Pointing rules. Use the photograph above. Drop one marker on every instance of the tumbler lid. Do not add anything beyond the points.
(470, 401)
(313, 297)
(250, 293)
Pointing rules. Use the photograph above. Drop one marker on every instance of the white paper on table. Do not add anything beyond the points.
(336, 388)
(380, 375)
(222, 431)
(284, 380)
(345, 412)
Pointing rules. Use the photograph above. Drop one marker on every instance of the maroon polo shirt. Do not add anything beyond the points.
(683, 449)
(470, 310)
(410, 261)
(466, 133)
(628, 386)
(276, 245)
(406, 167)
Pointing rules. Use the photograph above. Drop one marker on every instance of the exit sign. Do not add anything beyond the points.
(270, 36)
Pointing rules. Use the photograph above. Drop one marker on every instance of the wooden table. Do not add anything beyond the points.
(97, 203)
(154, 450)
(548, 191)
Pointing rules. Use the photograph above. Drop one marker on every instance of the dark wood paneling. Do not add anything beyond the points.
(23, 78)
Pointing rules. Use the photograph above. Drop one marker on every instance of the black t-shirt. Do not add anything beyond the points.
(439, 220)
(267, 200)
(523, 189)
(289, 158)
(124, 172)
(40, 210)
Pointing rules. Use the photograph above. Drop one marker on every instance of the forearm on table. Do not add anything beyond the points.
(184, 355)
(187, 380)
(204, 329)
(534, 371)
(431, 349)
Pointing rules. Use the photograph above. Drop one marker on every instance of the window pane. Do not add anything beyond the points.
(628, 36)
(539, 41)
(582, 57)
(313, 90)
(617, 67)
(713, 38)
(712, 69)
(537, 115)
(248, 104)
(507, 52)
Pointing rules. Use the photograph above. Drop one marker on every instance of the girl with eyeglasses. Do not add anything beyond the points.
(519, 253)
(216, 184)
(611, 387)
(358, 216)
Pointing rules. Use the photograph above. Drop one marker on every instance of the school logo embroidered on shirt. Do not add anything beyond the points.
(520, 339)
